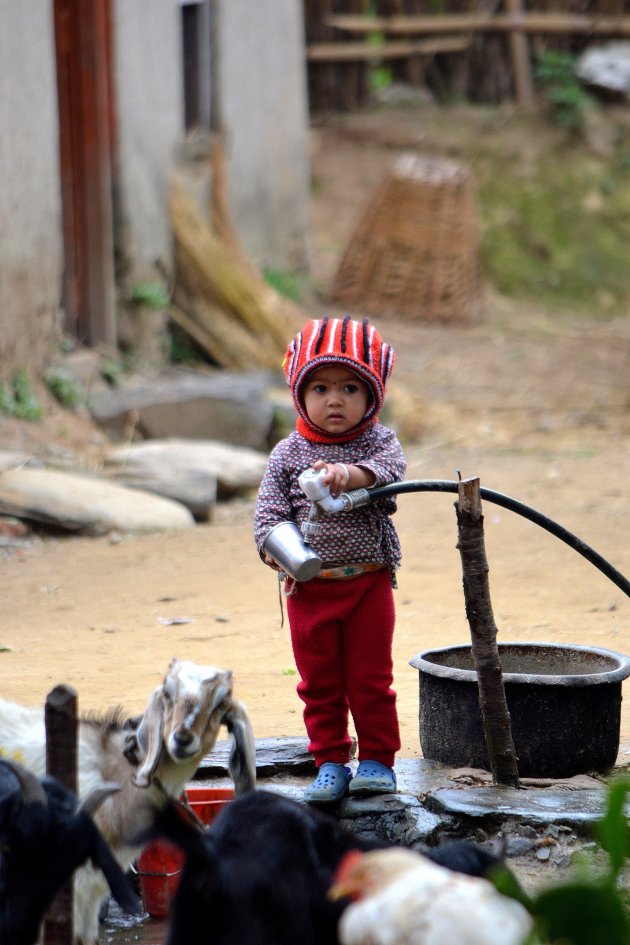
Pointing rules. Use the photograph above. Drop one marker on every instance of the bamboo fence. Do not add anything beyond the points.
(482, 50)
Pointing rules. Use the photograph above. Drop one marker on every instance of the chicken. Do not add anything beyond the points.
(401, 898)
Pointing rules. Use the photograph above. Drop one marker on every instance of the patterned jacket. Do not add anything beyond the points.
(363, 535)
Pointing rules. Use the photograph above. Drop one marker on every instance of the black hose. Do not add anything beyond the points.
(447, 485)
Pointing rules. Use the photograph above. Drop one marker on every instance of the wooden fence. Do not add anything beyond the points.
(481, 50)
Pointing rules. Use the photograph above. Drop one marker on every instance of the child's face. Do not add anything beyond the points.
(335, 398)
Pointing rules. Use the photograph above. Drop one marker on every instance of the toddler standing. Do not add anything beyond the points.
(342, 621)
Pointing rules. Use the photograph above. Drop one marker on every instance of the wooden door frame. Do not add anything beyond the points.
(87, 131)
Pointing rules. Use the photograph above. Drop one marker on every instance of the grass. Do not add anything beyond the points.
(560, 237)
(554, 205)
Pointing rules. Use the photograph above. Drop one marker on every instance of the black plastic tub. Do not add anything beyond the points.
(564, 703)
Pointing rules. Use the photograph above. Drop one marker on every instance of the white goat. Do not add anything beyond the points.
(151, 757)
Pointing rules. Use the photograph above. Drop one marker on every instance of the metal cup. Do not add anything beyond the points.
(285, 544)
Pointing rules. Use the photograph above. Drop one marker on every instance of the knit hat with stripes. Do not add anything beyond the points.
(358, 345)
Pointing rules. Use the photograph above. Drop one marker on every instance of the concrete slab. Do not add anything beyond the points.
(432, 797)
(577, 809)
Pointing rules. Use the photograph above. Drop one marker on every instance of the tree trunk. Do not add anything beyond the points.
(483, 633)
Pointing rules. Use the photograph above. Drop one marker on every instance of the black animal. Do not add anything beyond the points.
(259, 875)
(44, 837)
(463, 856)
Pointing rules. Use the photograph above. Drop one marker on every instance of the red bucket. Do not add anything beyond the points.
(207, 803)
(159, 866)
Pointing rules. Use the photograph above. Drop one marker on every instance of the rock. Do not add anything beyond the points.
(606, 67)
(273, 756)
(84, 504)
(191, 471)
(518, 846)
(11, 528)
(230, 407)
(12, 459)
(579, 808)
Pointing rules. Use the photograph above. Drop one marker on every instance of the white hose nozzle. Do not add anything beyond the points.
(311, 482)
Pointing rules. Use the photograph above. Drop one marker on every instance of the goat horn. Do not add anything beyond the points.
(96, 797)
(31, 787)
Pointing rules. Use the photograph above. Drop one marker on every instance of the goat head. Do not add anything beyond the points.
(183, 719)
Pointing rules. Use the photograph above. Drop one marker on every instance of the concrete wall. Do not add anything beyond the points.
(149, 77)
(30, 200)
(262, 88)
(261, 81)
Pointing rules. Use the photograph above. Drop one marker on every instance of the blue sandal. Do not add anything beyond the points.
(330, 785)
(373, 778)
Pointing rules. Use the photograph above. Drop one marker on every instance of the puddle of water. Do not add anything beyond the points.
(122, 929)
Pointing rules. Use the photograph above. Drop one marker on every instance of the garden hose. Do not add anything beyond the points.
(507, 502)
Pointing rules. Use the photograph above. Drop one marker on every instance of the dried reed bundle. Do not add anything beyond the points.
(230, 310)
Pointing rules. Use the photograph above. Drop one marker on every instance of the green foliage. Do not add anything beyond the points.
(151, 295)
(18, 399)
(560, 86)
(582, 913)
(111, 371)
(183, 349)
(591, 908)
(285, 283)
(558, 233)
(64, 388)
(380, 78)
(612, 830)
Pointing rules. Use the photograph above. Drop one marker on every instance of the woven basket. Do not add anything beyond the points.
(415, 254)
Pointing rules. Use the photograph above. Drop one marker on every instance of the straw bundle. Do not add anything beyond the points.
(222, 301)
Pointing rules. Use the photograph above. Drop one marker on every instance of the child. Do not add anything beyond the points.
(342, 621)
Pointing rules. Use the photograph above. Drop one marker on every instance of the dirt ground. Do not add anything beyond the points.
(537, 406)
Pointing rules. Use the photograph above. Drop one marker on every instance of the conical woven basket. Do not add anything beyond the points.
(415, 254)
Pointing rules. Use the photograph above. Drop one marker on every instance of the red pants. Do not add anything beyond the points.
(342, 634)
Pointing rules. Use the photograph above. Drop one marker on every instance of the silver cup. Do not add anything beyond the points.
(285, 544)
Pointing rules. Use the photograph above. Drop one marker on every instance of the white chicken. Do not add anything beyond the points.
(401, 898)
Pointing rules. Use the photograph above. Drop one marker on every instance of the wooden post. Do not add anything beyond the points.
(483, 633)
(519, 47)
(61, 763)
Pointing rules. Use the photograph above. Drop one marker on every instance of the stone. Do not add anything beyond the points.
(273, 756)
(224, 406)
(577, 808)
(86, 504)
(606, 67)
(236, 469)
(518, 846)
(12, 459)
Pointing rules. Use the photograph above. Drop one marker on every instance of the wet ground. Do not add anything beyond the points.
(120, 929)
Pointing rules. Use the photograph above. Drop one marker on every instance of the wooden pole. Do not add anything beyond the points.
(519, 49)
(61, 763)
(526, 22)
(483, 633)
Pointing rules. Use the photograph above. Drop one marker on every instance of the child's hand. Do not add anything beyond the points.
(269, 561)
(337, 475)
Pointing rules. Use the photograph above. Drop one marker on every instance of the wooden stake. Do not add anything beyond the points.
(483, 634)
(61, 763)
(519, 48)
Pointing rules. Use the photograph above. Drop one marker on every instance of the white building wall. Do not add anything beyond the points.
(262, 83)
(149, 90)
(31, 246)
